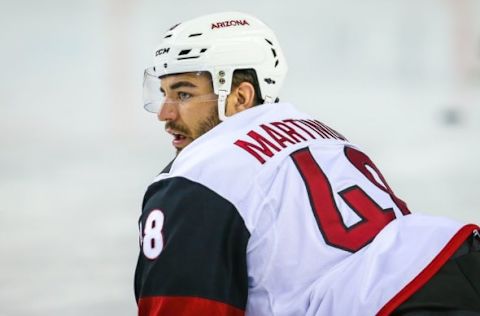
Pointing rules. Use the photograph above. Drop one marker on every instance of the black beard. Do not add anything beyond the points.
(210, 122)
(177, 127)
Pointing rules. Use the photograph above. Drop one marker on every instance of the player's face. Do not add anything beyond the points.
(189, 108)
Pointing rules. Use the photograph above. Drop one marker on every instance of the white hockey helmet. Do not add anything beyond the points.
(219, 44)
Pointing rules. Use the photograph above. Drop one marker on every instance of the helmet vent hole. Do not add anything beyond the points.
(195, 34)
(184, 52)
(169, 35)
(274, 53)
(203, 50)
(269, 42)
(173, 27)
(188, 57)
(276, 63)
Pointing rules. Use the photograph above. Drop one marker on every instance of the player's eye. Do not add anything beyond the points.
(184, 96)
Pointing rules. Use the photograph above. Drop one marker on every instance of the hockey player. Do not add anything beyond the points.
(267, 211)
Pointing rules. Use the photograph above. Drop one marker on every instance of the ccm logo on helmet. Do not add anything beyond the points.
(162, 51)
(218, 25)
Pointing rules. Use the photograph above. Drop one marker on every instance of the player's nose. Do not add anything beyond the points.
(168, 112)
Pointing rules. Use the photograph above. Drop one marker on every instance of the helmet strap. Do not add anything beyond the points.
(222, 101)
(268, 99)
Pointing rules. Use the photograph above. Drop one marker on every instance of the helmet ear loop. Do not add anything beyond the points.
(222, 102)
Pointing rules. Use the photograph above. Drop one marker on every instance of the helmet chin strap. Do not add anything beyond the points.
(268, 99)
(222, 101)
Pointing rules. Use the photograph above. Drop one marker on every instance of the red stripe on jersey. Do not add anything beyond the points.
(184, 306)
(430, 270)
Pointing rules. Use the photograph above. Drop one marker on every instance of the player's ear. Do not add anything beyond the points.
(241, 98)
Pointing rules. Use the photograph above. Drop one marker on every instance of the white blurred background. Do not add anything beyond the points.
(400, 78)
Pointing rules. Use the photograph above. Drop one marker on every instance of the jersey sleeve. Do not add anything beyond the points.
(192, 252)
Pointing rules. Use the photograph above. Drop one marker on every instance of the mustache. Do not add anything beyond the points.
(177, 127)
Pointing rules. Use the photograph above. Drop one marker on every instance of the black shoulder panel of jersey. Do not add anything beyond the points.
(204, 245)
(152, 188)
(168, 167)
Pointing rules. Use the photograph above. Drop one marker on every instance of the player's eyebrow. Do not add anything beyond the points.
(180, 84)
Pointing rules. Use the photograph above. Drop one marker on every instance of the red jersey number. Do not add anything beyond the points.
(329, 220)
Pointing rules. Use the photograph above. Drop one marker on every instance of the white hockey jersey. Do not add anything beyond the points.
(274, 213)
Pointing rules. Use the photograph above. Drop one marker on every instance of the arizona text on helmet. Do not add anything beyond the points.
(229, 23)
